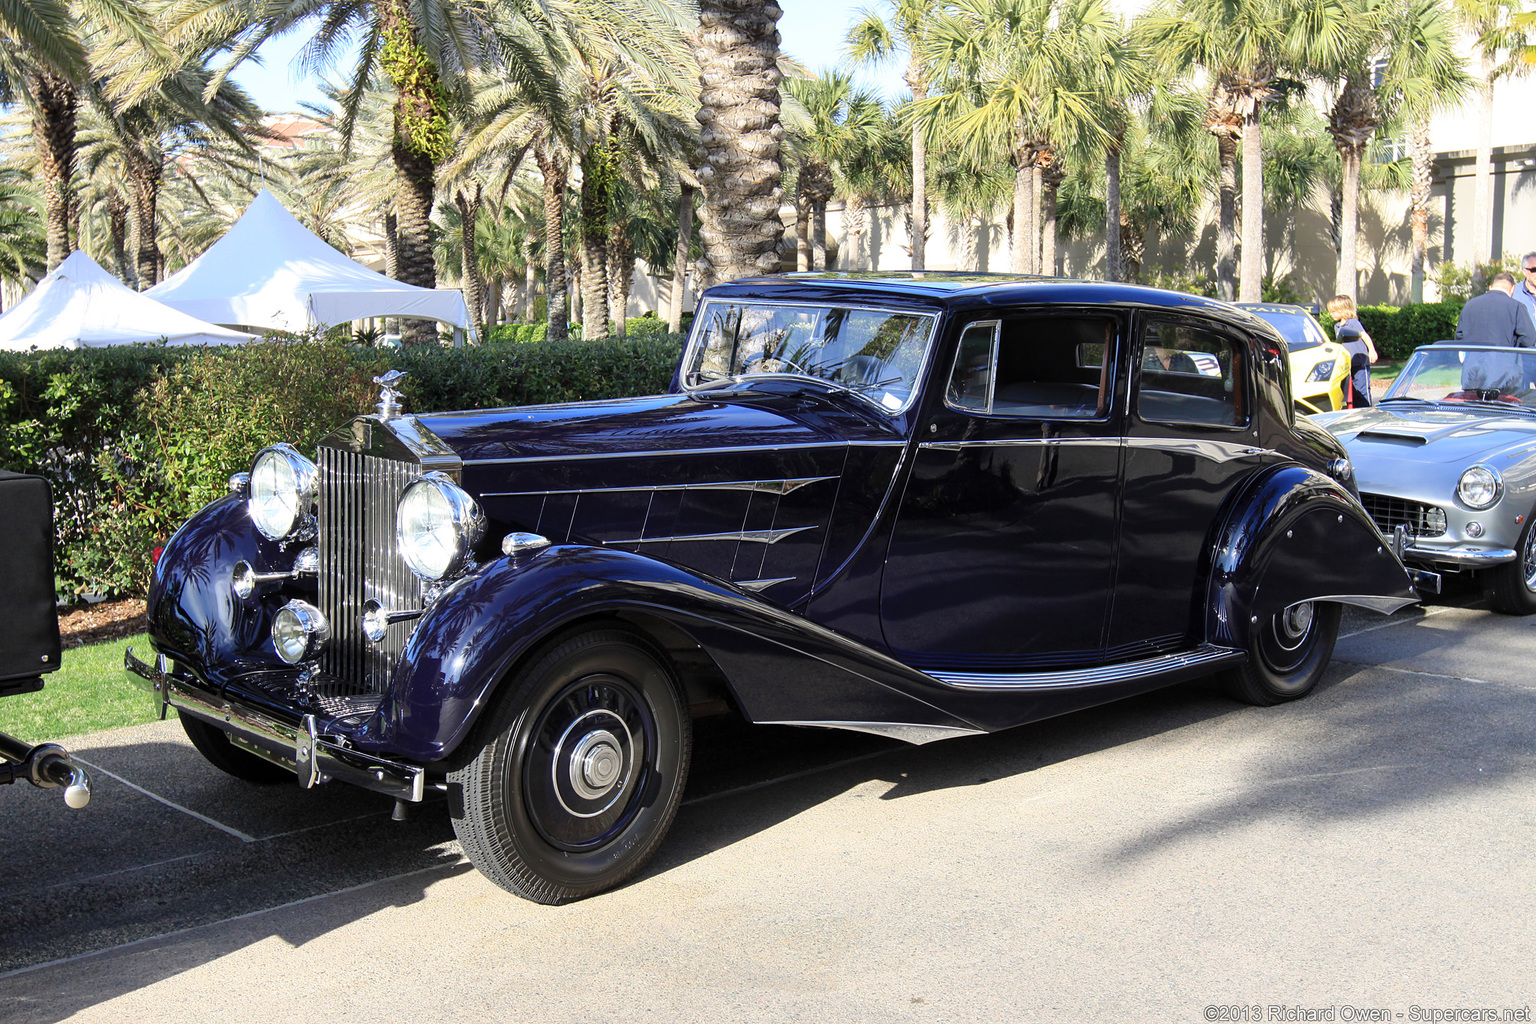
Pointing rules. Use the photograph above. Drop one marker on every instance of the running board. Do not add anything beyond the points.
(1203, 659)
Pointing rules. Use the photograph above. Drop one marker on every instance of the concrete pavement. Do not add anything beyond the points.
(1369, 848)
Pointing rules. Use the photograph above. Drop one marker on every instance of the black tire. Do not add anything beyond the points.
(1511, 587)
(1286, 655)
(577, 770)
(213, 743)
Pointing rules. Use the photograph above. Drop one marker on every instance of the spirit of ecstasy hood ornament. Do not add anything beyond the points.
(389, 396)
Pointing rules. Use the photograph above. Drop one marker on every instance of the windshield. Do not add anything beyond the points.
(1296, 326)
(1456, 373)
(877, 354)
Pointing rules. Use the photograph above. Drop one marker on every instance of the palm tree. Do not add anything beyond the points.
(45, 61)
(1013, 70)
(839, 120)
(427, 50)
(23, 248)
(737, 44)
(1241, 47)
(875, 40)
(1120, 74)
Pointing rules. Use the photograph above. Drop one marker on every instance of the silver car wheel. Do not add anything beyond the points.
(1528, 560)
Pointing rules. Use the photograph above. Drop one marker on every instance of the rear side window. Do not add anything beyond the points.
(1040, 367)
(1190, 375)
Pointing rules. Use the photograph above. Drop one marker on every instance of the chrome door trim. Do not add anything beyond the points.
(1206, 655)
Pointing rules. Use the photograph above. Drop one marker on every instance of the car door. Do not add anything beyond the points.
(1191, 437)
(1001, 558)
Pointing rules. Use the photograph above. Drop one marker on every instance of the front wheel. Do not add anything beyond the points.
(579, 771)
(1286, 654)
(1511, 587)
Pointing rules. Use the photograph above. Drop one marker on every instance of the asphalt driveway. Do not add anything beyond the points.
(1174, 857)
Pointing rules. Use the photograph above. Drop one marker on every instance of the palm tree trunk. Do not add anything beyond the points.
(1423, 170)
(554, 172)
(919, 173)
(803, 258)
(1250, 279)
(493, 297)
(1226, 223)
(117, 226)
(144, 176)
(415, 183)
(1037, 215)
(738, 50)
(1112, 258)
(680, 258)
(1023, 202)
(621, 270)
(819, 233)
(1346, 280)
(1482, 193)
(467, 198)
(597, 168)
(578, 297)
(391, 245)
(1053, 174)
(56, 103)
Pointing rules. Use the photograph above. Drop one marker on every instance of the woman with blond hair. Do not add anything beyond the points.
(1351, 333)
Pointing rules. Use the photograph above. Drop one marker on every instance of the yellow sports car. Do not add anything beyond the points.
(1319, 367)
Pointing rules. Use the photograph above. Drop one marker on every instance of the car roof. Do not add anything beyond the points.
(950, 288)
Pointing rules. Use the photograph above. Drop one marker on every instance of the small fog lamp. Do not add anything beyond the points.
(299, 630)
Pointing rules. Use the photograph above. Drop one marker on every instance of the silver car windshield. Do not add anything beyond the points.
(875, 354)
(1468, 373)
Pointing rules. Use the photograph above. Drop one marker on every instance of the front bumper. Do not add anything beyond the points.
(313, 758)
(1464, 556)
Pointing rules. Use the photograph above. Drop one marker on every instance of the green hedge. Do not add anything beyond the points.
(1397, 331)
(135, 439)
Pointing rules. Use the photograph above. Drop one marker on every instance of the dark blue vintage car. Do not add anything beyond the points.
(922, 506)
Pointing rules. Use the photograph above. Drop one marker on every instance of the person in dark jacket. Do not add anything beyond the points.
(1494, 318)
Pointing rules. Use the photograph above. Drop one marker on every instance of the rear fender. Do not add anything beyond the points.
(1297, 535)
(778, 666)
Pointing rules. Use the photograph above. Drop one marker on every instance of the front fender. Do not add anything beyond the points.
(1297, 535)
(777, 664)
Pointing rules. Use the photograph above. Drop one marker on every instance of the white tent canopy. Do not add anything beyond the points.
(271, 271)
(80, 305)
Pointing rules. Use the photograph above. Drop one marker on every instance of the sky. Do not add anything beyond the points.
(811, 31)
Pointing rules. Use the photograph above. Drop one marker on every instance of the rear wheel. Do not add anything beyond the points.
(1511, 587)
(1286, 654)
(579, 771)
(213, 743)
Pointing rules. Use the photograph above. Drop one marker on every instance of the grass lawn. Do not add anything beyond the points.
(88, 693)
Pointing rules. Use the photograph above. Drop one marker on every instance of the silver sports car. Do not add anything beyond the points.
(1449, 455)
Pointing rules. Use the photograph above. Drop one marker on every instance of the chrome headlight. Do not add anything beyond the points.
(299, 630)
(1480, 487)
(437, 525)
(283, 488)
(1322, 371)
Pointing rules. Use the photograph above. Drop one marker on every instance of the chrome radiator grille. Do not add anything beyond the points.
(1419, 519)
(359, 562)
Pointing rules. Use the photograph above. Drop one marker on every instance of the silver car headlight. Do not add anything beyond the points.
(1480, 487)
(299, 630)
(283, 488)
(437, 525)
(1322, 371)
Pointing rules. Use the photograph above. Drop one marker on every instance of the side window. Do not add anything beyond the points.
(970, 385)
(1045, 367)
(1190, 375)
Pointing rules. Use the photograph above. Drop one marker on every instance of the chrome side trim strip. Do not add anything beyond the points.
(1216, 451)
(1370, 602)
(914, 734)
(744, 536)
(587, 456)
(758, 586)
(760, 486)
(312, 758)
(1204, 656)
(1032, 442)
